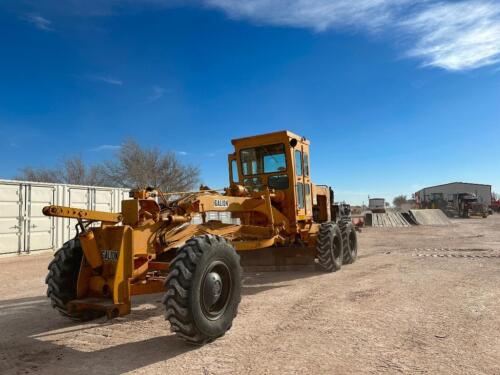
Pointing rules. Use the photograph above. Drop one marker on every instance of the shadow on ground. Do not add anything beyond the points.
(30, 327)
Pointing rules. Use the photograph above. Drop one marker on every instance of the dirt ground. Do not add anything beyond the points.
(418, 300)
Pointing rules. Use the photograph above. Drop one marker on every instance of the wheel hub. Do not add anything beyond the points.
(213, 288)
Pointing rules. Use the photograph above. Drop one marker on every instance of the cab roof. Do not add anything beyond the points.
(269, 138)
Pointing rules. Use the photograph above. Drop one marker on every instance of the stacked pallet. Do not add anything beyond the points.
(389, 220)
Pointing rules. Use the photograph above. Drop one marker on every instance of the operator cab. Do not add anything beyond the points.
(279, 161)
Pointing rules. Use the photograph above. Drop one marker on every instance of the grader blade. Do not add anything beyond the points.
(279, 259)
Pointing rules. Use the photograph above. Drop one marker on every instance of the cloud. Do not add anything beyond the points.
(105, 148)
(318, 15)
(39, 22)
(214, 153)
(457, 36)
(105, 79)
(453, 35)
(182, 153)
(450, 34)
(158, 92)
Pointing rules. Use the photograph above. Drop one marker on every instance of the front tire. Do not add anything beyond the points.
(329, 247)
(203, 289)
(62, 280)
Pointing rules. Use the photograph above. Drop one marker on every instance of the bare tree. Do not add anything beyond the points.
(74, 170)
(38, 175)
(133, 167)
(495, 195)
(70, 171)
(137, 167)
(399, 200)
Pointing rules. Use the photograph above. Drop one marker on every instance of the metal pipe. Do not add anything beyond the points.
(178, 219)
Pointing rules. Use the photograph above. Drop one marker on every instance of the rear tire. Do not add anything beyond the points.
(62, 280)
(203, 289)
(329, 247)
(349, 242)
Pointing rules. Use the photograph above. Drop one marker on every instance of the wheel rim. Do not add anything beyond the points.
(215, 290)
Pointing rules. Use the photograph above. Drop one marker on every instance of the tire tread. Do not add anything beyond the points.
(324, 251)
(178, 284)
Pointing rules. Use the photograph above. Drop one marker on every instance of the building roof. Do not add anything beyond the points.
(452, 183)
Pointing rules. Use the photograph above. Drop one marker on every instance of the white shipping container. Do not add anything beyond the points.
(38, 229)
(11, 218)
(24, 229)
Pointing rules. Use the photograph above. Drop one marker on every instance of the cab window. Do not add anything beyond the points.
(298, 163)
(308, 195)
(306, 165)
(300, 195)
(278, 182)
(234, 171)
(263, 159)
(253, 184)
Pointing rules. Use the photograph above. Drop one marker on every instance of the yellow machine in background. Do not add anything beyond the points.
(153, 247)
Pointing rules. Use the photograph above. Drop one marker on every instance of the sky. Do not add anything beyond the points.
(394, 95)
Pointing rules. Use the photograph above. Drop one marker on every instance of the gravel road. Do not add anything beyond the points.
(419, 300)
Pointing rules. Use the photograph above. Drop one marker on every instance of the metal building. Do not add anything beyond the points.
(446, 192)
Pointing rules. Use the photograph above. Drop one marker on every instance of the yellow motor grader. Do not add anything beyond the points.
(153, 245)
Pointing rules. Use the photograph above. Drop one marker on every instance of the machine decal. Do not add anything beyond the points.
(109, 255)
(221, 203)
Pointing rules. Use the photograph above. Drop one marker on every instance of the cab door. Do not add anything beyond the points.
(300, 201)
(307, 182)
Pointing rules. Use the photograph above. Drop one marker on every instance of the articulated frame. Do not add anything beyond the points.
(132, 258)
